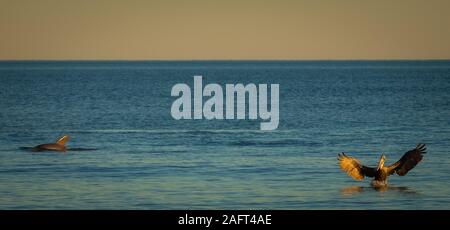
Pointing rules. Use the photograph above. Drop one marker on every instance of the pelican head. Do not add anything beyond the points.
(381, 162)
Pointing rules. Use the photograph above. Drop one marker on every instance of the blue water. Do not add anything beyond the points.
(147, 160)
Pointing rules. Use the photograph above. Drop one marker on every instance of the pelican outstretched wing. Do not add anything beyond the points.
(408, 161)
(354, 168)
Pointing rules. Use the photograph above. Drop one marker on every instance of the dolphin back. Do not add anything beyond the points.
(49, 147)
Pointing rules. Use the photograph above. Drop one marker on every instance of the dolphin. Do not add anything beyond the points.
(59, 146)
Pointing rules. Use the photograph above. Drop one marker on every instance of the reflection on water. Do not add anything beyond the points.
(352, 190)
(31, 149)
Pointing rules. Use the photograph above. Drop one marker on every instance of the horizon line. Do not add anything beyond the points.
(193, 60)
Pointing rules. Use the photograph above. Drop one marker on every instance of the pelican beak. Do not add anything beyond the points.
(381, 163)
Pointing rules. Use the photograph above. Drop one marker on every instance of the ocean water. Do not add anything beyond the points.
(144, 159)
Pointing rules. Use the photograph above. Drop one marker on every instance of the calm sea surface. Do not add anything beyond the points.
(147, 160)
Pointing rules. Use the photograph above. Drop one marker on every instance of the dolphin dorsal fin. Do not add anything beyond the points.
(63, 140)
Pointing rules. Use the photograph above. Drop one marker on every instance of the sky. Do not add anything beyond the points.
(225, 30)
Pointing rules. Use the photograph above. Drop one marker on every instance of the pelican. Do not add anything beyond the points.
(358, 171)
